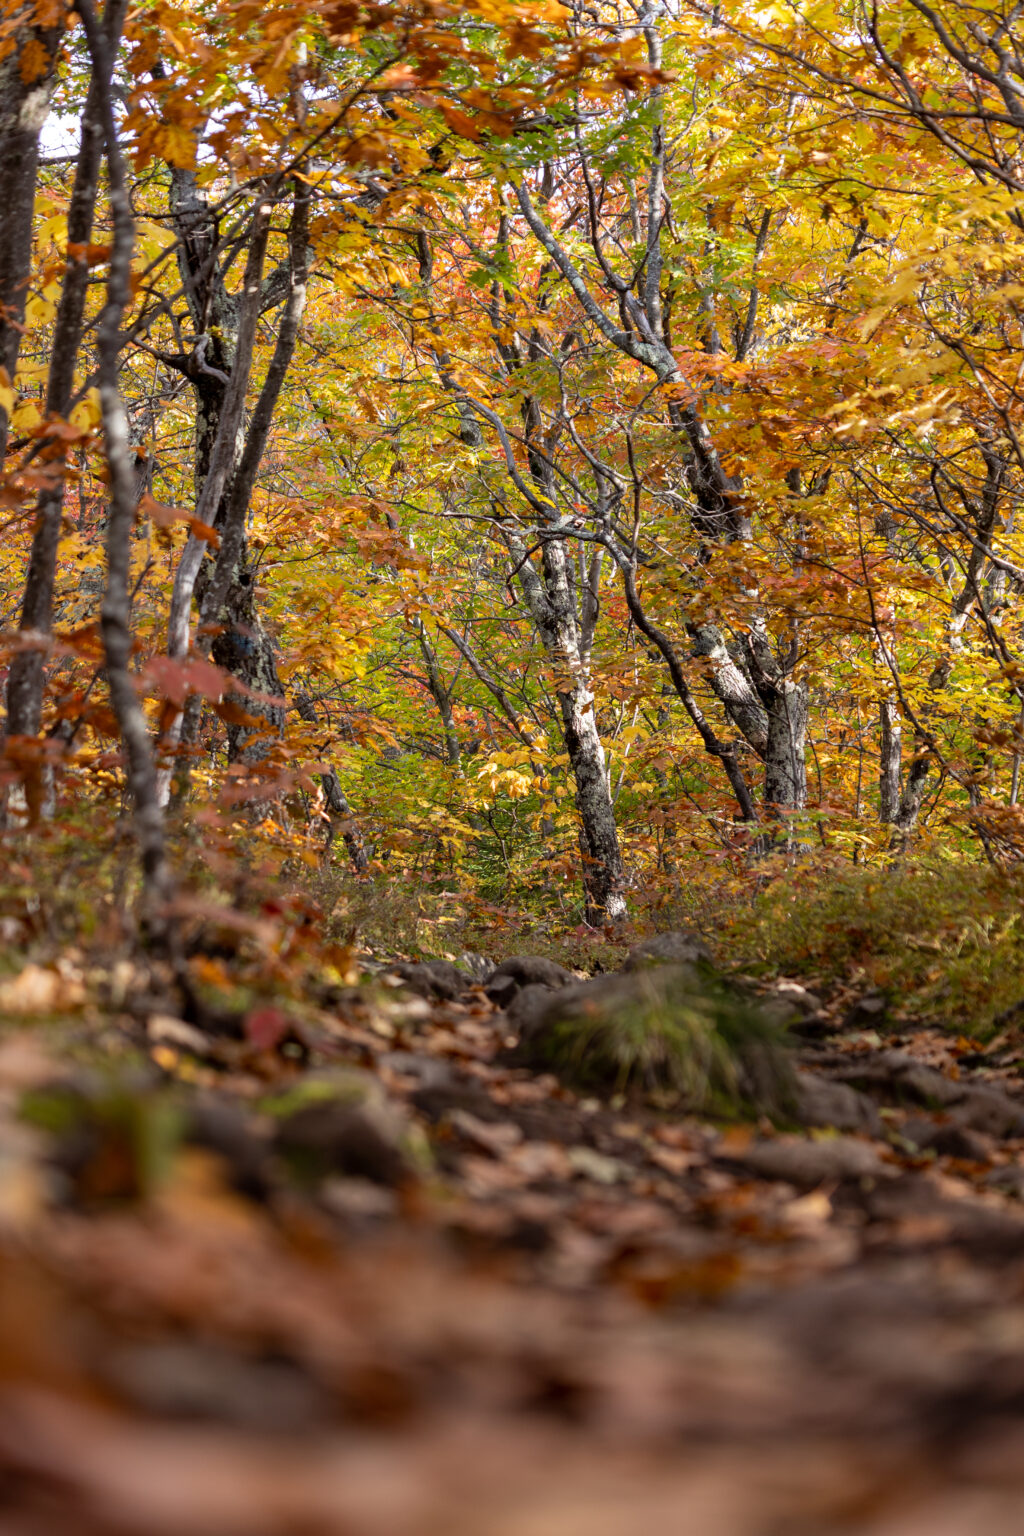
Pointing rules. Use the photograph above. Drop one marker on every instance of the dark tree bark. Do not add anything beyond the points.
(25, 683)
(229, 601)
(26, 84)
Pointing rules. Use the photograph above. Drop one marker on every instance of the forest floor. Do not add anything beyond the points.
(353, 1271)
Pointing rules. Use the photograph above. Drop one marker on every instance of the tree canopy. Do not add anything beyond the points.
(549, 451)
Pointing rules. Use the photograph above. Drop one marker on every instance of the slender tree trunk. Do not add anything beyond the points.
(891, 762)
(603, 876)
(339, 812)
(25, 683)
(732, 687)
(909, 807)
(24, 107)
(724, 751)
(158, 885)
(441, 697)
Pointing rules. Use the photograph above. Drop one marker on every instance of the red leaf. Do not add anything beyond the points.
(265, 1028)
(175, 679)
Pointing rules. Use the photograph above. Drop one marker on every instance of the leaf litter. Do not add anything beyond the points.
(353, 1268)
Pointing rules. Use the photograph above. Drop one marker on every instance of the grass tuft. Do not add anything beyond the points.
(664, 1031)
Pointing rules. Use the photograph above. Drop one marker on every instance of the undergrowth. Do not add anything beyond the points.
(943, 940)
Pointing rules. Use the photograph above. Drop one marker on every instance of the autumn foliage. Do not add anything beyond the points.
(552, 455)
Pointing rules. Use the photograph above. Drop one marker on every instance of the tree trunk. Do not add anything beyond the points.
(25, 683)
(339, 812)
(243, 648)
(158, 884)
(228, 464)
(890, 764)
(732, 687)
(603, 875)
(785, 768)
(441, 697)
(24, 107)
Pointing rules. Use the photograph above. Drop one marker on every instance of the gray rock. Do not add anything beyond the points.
(821, 1102)
(332, 1137)
(990, 1112)
(527, 1010)
(438, 980)
(524, 971)
(901, 1078)
(790, 1006)
(867, 1012)
(674, 948)
(1009, 1180)
(182, 1379)
(477, 967)
(943, 1135)
(809, 1163)
(538, 1012)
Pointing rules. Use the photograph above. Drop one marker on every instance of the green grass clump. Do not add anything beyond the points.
(667, 1031)
(944, 940)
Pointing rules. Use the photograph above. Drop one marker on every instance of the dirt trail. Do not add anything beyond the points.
(394, 1285)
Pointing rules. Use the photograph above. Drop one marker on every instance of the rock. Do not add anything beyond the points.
(974, 1107)
(435, 1101)
(477, 967)
(867, 1012)
(526, 1011)
(944, 1136)
(677, 947)
(821, 1102)
(989, 1111)
(524, 971)
(587, 1163)
(903, 1078)
(222, 1127)
(960, 1142)
(790, 1006)
(201, 1380)
(808, 1163)
(439, 980)
(1008, 1179)
(360, 1141)
(427, 1070)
